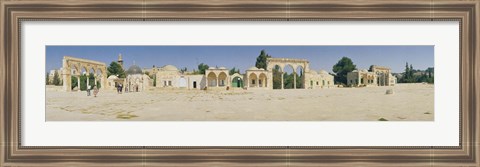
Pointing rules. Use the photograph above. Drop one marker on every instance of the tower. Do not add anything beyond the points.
(120, 60)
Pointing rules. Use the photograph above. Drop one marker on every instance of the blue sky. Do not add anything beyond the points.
(243, 57)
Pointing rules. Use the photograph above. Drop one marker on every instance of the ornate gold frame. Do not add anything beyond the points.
(13, 12)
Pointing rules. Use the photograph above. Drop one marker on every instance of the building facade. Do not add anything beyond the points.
(375, 76)
(170, 77)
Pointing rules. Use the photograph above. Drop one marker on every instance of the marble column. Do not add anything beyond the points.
(294, 80)
(282, 79)
(78, 83)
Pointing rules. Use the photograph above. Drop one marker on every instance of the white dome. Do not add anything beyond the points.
(323, 72)
(112, 77)
(222, 68)
(253, 68)
(364, 70)
(170, 68)
(212, 68)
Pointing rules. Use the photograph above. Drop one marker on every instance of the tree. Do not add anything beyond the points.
(342, 68)
(299, 81)
(47, 82)
(83, 82)
(408, 75)
(288, 83)
(115, 69)
(233, 71)
(277, 78)
(91, 79)
(56, 78)
(98, 85)
(262, 60)
(202, 67)
(74, 82)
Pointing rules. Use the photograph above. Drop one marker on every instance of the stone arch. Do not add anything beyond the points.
(285, 63)
(279, 65)
(222, 79)
(236, 81)
(212, 79)
(73, 79)
(252, 80)
(76, 67)
(299, 77)
(286, 66)
(83, 70)
(262, 80)
(289, 77)
(91, 70)
(277, 77)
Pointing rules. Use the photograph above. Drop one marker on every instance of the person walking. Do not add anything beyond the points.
(121, 88)
(95, 91)
(88, 90)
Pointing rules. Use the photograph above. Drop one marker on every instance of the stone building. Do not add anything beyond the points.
(376, 76)
(310, 79)
(51, 75)
(322, 79)
(217, 77)
(135, 80)
(75, 67)
(257, 78)
(170, 77)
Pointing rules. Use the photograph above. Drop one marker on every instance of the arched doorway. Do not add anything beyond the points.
(91, 78)
(75, 77)
(299, 78)
(262, 80)
(277, 77)
(212, 79)
(99, 78)
(237, 82)
(288, 77)
(222, 79)
(252, 79)
(83, 79)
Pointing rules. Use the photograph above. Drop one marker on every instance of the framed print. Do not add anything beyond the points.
(239, 83)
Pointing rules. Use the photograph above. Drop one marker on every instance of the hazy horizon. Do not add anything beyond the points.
(244, 57)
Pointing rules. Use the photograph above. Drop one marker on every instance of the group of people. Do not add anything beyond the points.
(120, 89)
(95, 90)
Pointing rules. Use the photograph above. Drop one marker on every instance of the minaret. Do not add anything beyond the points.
(120, 60)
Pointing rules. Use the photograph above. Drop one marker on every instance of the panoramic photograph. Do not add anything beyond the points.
(240, 83)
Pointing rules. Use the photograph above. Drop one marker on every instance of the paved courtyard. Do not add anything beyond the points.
(410, 102)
